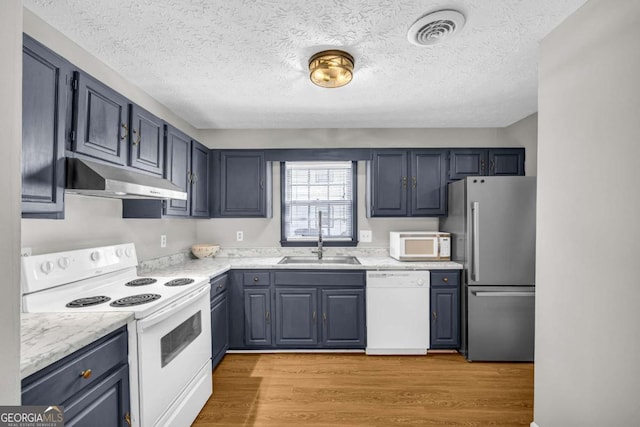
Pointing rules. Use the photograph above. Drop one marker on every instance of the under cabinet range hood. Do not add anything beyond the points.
(97, 179)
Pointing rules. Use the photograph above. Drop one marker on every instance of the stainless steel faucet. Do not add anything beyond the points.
(319, 250)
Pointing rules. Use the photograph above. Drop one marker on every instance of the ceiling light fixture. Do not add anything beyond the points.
(331, 68)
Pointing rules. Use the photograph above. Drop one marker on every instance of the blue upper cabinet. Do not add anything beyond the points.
(485, 161)
(46, 96)
(146, 149)
(178, 170)
(407, 183)
(242, 184)
(101, 121)
(199, 180)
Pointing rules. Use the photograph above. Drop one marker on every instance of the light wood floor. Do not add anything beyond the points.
(357, 390)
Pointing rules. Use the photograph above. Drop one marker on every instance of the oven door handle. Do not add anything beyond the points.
(173, 308)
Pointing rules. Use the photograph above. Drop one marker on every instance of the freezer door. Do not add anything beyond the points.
(500, 323)
(501, 219)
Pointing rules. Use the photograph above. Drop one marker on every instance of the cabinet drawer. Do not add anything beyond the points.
(445, 278)
(219, 284)
(63, 379)
(320, 278)
(256, 278)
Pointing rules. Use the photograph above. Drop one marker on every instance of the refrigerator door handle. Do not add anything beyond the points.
(503, 294)
(475, 260)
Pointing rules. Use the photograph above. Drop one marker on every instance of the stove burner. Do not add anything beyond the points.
(179, 282)
(134, 300)
(141, 282)
(86, 302)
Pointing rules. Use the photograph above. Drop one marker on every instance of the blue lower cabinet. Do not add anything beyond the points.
(343, 315)
(445, 309)
(257, 317)
(296, 317)
(219, 324)
(92, 384)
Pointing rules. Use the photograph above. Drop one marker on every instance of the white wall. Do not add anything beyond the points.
(10, 176)
(523, 133)
(92, 221)
(588, 294)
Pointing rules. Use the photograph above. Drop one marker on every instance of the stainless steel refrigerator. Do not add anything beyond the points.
(492, 221)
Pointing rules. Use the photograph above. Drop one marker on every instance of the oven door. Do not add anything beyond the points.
(173, 346)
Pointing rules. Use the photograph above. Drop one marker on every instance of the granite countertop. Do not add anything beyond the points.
(212, 267)
(48, 337)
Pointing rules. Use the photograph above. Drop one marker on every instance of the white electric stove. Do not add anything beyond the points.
(169, 340)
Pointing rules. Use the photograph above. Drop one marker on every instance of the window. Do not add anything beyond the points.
(312, 187)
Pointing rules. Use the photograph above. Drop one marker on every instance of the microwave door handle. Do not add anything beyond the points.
(475, 237)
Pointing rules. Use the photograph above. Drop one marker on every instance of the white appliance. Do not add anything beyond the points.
(169, 339)
(420, 245)
(397, 312)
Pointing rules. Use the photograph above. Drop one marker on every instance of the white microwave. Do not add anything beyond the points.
(420, 245)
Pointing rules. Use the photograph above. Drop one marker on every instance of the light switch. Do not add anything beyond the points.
(366, 236)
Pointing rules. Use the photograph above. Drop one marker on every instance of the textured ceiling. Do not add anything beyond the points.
(244, 63)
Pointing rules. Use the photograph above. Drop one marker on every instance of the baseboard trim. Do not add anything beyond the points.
(533, 424)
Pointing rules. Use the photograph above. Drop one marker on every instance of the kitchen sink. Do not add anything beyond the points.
(314, 260)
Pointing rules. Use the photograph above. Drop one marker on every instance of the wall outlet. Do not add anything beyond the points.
(366, 236)
(25, 252)
(239, 236)
(163, 240)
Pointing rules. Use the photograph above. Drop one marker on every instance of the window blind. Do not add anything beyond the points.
(313, 187)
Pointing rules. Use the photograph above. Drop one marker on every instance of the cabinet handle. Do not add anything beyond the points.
(435, 316)
(414, 181)
(127, 418)
(137, 140)
(492, 165)
(445, 279)
(126, 132)
(404, 182)
(255, 278)
(314, 316)
(189, 177)
(324, 317)
(267, 317)
(261, 184)
(482, 165)
(86, 374)
(220, 286)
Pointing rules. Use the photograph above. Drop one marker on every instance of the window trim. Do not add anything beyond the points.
(333, 243)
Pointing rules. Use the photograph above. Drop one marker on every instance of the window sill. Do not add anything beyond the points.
(311, 244)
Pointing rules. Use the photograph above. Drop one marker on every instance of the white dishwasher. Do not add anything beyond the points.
(397, 312)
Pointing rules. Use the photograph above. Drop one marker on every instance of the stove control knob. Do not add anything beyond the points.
(47, 267)
(64, 262)
(95, 256)
(129, 252)
(119, 252)
(420, 282)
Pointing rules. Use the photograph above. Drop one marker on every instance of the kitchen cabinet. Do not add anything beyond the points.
(101, 129)
(92, 384)
(242, 184)
(146, 149)
(445, 309)
(485, 161)
(296, 316)
(407, 183)
(46, 99)
(219, 319)
(257, 317)
(313, 309)
(199, 180)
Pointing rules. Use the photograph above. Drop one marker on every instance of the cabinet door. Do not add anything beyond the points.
(467, 162)
(147, 141)
(178, 170)
(296, 316)
(219, 328)
(445, 323)
(343, 318)
(506, 161)
(257, 317)
(428, 183)
(199, 180)
(105, 405)
(45, 92)
(243, 183)
(101, 129)
(388, 183)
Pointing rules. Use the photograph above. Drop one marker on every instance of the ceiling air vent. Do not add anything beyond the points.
(435, 27)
